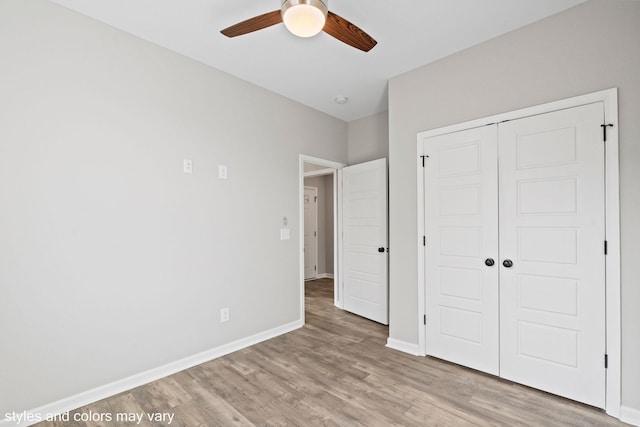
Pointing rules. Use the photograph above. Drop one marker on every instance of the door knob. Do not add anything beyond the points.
(489, 262)
(380, 249)
(507, 263)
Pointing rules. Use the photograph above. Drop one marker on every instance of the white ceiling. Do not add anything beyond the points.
(410, 33)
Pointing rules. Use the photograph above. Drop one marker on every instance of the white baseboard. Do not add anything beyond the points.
(405, 347)
(90, 396)
(630, 415)
(320, 276)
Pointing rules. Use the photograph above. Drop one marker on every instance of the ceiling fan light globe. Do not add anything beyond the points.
(304, 18)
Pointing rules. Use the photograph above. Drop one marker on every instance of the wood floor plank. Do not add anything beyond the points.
(337, 372)
(126, 404)
(207, 408)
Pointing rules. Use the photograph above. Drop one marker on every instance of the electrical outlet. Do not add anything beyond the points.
(187, 166)
(224, 315)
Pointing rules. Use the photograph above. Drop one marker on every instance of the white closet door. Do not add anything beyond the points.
(461, 223)
(552, 318)
(366, 290)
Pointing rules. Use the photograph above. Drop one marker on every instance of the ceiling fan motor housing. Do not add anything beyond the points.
(304, 18)
(323, 5)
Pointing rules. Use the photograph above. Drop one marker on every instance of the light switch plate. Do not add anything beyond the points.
(222, 171)
(284, 234)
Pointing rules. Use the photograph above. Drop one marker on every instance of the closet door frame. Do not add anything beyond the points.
(609, 98)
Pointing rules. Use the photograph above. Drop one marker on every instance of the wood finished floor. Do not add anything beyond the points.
(336, 371)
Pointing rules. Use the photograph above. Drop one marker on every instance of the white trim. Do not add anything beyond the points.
(338, 284)
(422, 309)
(319, 172)
(612, 260)
(630, 415)
(325, 276)
(90, 396)
(613, 341)
(403, 346)
(328, 164)
(607, 95)
(335, 166)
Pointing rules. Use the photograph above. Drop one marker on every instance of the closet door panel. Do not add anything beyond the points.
(461, 225)
(552, 319)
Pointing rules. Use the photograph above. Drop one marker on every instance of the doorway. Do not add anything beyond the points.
(323, 175)
(360, 248)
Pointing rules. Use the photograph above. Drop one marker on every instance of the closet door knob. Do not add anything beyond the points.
(489, 262)
(507, 263)
(380, 250)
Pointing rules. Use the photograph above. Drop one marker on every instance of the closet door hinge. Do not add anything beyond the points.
(424, 319)
(424, 157)
(606, 361)
(424, 240)
(606, 249)
(604, 130)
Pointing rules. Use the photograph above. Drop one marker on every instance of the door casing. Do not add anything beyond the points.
(612, 226)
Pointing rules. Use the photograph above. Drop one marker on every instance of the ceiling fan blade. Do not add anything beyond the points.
(254, 24)
(348, 33)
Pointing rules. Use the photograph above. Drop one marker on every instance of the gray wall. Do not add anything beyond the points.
(369, 138)
(112, 261)
(591, 47)
(324, 184)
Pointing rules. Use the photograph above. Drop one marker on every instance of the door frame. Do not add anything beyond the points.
(330, 168)
(609, 97)
(315, 207)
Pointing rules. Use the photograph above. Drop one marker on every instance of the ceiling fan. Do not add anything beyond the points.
(306, 18)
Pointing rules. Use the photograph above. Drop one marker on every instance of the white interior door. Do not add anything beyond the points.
(310, 232)
(461, 223)
(365, 240)
(552, 318)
